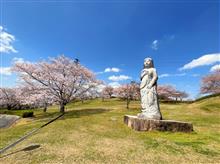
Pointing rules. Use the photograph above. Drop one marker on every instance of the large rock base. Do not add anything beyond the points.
(140, 124)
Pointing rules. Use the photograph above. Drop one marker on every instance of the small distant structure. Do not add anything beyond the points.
(76, 60)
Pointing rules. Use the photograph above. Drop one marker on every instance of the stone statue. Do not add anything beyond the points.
(148, 89)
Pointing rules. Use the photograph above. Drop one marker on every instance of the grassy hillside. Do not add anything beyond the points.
(94, 132)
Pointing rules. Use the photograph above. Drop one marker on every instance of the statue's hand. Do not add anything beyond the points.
(150, 85)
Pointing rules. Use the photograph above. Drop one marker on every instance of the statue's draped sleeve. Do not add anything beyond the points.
(154, 78)
(143, 73)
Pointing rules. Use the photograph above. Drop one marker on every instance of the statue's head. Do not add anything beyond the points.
(148, 63)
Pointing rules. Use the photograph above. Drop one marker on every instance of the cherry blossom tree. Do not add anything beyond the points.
(128, 92)
(107, 92)
(179, 95)
(168, 92)
(63, 78)
(36, 96)
(9, 98)
(23, 96)
(92, 93)
(211, 83)
(165, 91)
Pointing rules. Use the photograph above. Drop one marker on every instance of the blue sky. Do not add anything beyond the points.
(115, 34)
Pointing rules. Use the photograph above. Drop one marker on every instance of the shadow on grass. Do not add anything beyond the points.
(46, 115)
(28, 148)
(84, 112)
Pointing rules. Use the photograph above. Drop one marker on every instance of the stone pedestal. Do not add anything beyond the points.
(140, 124)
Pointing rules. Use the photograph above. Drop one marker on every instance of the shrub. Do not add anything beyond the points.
(28, 114)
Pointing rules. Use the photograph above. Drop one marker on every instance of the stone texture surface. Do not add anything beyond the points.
(162, 125)
(148, 90)
(7, 120)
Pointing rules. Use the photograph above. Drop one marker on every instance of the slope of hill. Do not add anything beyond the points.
(94, 132)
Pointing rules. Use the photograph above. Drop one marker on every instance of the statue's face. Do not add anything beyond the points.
(147, 62)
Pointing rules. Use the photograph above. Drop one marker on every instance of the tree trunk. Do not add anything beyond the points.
(9, 107)
(45, 107)
(128, 103)
(62, 107)
(19, 107)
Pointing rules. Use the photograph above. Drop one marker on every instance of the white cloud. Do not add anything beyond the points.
(164, 40)
(180, 74)
(164, 75)
(119, 78)
(114, 84)
(113, 69)
(208, 59)
(6, 40)
(18, 60)
(154, 44)
(169, 75)
(98, 73)
(215, 68)
(195, 75)
(5, 70)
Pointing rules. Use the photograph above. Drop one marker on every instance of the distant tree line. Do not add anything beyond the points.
(131, 91)
(166, 93)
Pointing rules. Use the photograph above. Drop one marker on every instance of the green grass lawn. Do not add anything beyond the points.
(94, 132)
